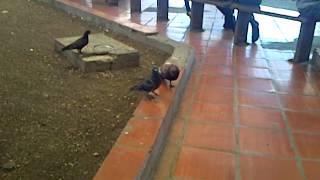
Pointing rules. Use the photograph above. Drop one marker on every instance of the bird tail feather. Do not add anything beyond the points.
(134, 88)
(65, 48)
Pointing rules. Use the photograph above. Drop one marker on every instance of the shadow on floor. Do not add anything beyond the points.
(171, 10)
(289, 45)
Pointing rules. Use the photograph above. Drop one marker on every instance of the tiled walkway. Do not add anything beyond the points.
(247, 114)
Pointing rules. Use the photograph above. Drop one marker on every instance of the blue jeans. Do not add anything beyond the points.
(187, 5)
(229, 18)
(312, 12)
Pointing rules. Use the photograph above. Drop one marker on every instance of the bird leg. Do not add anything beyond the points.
(79, 51)
(149, 97)
(155, 93)
(171, 86)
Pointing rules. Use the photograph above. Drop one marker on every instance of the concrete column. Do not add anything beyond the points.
(112, 2)
(162, 10)
(304, 43)
(135, 6)
(197, 16)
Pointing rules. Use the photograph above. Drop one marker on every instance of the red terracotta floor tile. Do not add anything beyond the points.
(289, 75)
(176, 130)
(258, 99)
(116, 165)
(295, 102)
(255, 84)
(194, 163)
(184, 109)
(216, 81)
(312, 170)
(140, 133)
(199, 48)
(214, 95)
(219, 47)
(254, 72)
(281, 65)
(296, 87)
(261, 117)
(151, 108)
(217, 70)
(218, 59)
(309, 122)
(308, 145)
(314, 77)
(271, 142)
(266, 168)
(259, 63)
(217, 35)
(278, 54)
(212, 112)
(248, 53)
(189, 91)
(210, 136)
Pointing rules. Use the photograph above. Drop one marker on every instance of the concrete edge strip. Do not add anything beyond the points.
(153, 158)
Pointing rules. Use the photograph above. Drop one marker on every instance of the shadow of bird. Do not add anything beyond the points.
(79, 43)
(169, 72)
(149, 85)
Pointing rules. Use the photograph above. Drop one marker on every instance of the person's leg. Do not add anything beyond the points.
(229, 19)
(312, 12)
(317, 12)
(188, 9)
(255, 29)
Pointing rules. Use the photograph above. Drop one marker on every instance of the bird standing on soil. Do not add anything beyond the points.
(170, 72)
(149, 85)
(79, 43)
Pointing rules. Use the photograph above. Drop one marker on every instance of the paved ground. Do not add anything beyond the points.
(248, 113)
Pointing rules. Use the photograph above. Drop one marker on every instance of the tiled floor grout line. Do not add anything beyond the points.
(292, 142)
(177, 145)
(186, 119)
(236, 118)
(167, 24)
(146, 23)
(306, 132)
(246, 153)
(277, 25)
(226, 124)
(311, 159)
(179, 142)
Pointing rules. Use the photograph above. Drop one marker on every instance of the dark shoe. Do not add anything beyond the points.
(255, 32)
(241, 44)
(189, 14)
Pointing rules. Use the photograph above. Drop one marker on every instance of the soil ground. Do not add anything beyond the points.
(56, 122)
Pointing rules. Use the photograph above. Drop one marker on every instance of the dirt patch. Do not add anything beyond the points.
(56, 122)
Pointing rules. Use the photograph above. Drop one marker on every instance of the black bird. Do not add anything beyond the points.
(169, 72)
(79, 43)
(149, 85)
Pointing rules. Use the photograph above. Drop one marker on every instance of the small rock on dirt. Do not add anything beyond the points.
(9, 166)
(95, 154)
